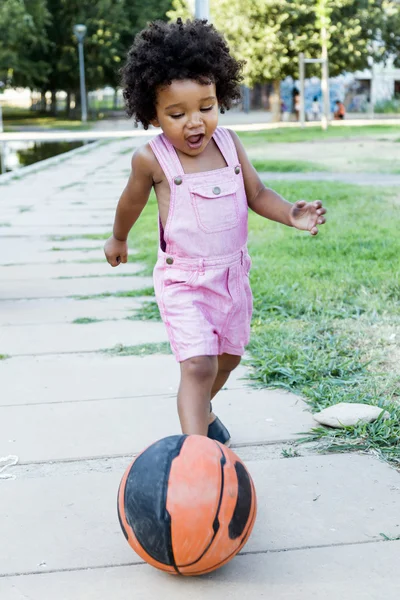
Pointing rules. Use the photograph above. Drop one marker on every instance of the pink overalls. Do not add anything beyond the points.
(201, 277)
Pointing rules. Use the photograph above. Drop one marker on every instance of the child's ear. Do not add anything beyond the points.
(155, 123)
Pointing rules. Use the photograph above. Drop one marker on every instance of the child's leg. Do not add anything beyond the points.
(198, 375)
(226, 364)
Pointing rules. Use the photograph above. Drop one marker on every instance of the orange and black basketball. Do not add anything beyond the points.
(187, 505)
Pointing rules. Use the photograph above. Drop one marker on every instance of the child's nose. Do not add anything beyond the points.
(195, 119)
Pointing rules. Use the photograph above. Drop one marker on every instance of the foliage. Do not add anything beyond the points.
(23, 35)
(270, 34)
(41, 52)
(388, 106)
(390, 31)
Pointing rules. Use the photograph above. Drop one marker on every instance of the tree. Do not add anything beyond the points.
(103, 48)
(111, 26)
(22, 35)
(270, 34)
(390, 32)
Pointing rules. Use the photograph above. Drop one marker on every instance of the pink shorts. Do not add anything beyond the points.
(206, 304)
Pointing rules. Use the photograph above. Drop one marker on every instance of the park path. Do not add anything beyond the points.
(75, 415)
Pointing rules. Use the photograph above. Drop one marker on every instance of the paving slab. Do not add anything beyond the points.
(60, 256)
(52, 288)
(72, 430)
(76, 377)
(60, 337)
(357, 572)
(61, 217)
(48, 230)
(70, 270)
(39, 311)
(26, 249)
(72, 523)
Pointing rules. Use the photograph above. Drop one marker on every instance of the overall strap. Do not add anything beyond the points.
(167, 157)
(227, 146)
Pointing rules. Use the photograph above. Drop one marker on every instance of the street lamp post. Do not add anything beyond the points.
(202, 9)
(80, 32)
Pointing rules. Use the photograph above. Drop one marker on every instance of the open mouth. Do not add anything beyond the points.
(195, 141)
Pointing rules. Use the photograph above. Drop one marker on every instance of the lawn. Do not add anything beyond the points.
(326, 309)
(310, 134)
(14, 117)
(287, 166)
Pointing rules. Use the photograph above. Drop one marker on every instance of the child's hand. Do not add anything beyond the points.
(116, 251)
(307, 215)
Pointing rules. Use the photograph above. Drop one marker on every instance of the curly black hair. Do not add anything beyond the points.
(166, 51)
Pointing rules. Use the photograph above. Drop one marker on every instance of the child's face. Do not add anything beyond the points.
(187, 112)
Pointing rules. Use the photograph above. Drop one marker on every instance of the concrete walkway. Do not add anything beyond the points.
(74, 416)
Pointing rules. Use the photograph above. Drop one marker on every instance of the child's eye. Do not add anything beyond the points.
(177, 116)
(207, 108)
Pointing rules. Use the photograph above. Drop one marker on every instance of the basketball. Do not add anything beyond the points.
(187, 505)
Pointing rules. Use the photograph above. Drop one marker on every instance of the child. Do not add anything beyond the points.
(315, 108)
(176, 77)
(340, 111)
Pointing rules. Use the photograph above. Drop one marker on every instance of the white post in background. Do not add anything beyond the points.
(325, 67)
(2, 144)
(202, 9)
(302, 75)
(372, 87)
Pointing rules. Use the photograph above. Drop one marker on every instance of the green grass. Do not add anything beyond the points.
(4, 356)
(289, 453)
(121, 274)
(76, 249)
(127, 294)
(83, 236)
(309, 134)
(287, 166)
(127, 151)
(147, 312)
(70, 185)
(144, 237)
(5, 224)
(85, 321)
(14, 117)
(326, 308)
(139, 350)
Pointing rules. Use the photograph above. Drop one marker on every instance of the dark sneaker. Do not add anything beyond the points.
(217, 431)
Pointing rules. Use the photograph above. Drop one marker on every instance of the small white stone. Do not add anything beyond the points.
(348, 413)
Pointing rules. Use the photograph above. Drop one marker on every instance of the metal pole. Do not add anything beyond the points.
(2, 146)
(2, 158)
(372, 91)
(202, 9)
(325, 67)
(302, 89)
(82, 79)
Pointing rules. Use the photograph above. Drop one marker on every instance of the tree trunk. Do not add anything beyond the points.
(276, 100)
(68, 104)
(115, 99)
(53, 106)
(43, 101)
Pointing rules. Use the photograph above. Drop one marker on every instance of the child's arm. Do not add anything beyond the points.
(269, 204)
(131, 203)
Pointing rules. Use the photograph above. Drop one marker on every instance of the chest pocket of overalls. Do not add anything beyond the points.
(216, 205)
